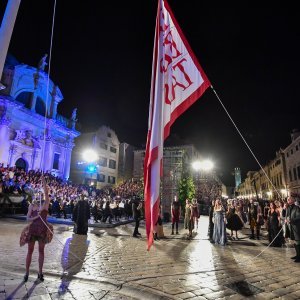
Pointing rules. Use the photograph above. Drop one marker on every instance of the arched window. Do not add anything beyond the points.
(25, 98)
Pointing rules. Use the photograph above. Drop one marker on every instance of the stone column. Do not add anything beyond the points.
(33, 102)
(47, 160)
(12, 151)
(4, 141)
(54, 103)
(54, 109)
(6, 29)
(67, 164)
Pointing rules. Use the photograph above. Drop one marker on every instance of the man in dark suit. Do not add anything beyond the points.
(293, 221)
(136, 212)
(81, 216)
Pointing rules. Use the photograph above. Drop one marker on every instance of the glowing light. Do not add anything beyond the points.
(208, 165)
(196, 165)
(89, 155)
(284, 192)
(205, 165)
(92, 168)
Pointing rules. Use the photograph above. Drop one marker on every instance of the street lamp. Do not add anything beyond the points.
(89, 155)
(204, 165)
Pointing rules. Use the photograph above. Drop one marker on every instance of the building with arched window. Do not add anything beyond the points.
(30, 138)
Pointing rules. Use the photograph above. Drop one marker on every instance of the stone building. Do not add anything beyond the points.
(125, 166)
(30, 138)
(279, 178)
(292, 158)
(104, 170)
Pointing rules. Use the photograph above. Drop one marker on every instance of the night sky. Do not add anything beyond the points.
(102, 59)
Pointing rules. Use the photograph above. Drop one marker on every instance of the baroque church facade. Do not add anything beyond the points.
(30, 138)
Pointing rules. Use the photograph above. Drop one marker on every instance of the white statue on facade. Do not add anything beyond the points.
(74, 115)
(42, 63)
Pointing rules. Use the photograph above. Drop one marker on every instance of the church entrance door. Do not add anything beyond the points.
(21, 164)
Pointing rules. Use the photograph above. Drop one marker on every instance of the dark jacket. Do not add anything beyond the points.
(293, 214)
(136, 211)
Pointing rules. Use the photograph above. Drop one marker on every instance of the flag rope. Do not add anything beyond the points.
(241, 135)
(47, 92)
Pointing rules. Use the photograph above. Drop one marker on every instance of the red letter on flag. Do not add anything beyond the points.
(177, 82)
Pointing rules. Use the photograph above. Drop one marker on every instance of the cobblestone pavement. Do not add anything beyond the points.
(111, 264)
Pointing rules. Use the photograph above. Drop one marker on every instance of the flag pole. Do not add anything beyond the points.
(6, 30)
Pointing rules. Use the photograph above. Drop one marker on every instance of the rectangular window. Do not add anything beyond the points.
(112, 164)
(56, 161)
(101, 177)
(298, 171)
(111, 179)
(102, 161)
(295, 174)
(103, 146)
(292, 151)
(287, 154)
(113, 149)
(290, 175)
(297, 148)
(109, 134)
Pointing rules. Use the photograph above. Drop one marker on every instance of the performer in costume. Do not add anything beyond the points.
(219, 219)
(293, 222)
(255, 218)
(234, 222)
(175, 210)
(274, 226)
(38, 230)
(81, 216)
(188, 220)
(210, 222)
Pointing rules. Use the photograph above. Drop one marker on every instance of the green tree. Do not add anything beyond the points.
(186, 190)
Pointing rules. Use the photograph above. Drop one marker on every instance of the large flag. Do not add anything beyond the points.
(177, 82)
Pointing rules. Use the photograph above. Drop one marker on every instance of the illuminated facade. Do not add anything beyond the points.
(28, 139)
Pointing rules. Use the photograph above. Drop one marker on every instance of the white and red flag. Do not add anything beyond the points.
(177, 82)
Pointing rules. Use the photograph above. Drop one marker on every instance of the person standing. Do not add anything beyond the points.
(219, 235)
(136, 212)
(195, 213)
(255, 219)
(81, 216)
(293, 222)
(38, 230)
(274, 226)
(210, 221)
(234, 222)
(175, 211)
(188, 220)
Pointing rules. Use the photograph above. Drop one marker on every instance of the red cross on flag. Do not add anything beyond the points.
(177, 82)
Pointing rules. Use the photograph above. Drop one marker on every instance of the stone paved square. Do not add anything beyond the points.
(109, 263)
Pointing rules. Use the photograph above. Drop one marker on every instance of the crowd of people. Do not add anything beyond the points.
(106, 205)
(46, 194)
(281, 219)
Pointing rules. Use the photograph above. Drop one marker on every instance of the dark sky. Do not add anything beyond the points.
(102, 57)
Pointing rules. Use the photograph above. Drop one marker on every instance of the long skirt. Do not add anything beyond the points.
(219, 235)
